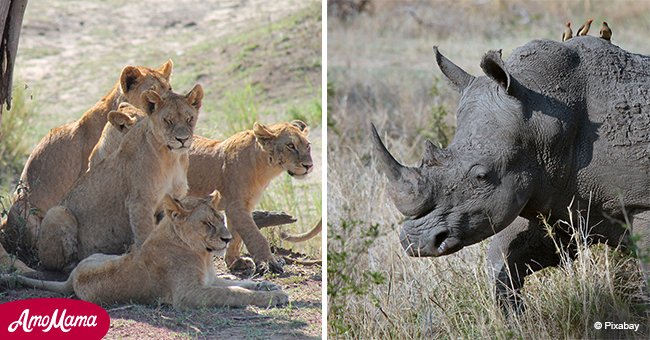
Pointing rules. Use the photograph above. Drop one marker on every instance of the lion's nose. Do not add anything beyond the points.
(182, 140)
(226, 239)
(307, 166)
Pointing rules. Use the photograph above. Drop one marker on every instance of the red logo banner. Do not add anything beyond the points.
(52, 318)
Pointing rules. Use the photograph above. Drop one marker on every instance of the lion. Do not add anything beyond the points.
(61, 157)
(112, 206)
(173, 266)
(240, 167)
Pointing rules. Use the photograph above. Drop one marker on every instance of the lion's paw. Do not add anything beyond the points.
(275, 298)
(243, 267)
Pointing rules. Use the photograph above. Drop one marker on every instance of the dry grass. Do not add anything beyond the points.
(381, 70)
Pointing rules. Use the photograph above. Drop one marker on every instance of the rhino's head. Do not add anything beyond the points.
(481, 182)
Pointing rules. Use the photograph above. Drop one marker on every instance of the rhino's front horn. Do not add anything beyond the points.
(409, 189)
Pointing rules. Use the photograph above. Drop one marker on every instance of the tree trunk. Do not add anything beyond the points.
(11, 19)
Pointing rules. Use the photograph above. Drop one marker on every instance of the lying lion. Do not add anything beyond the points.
(113, 204)
(173, 266)
(61, 157)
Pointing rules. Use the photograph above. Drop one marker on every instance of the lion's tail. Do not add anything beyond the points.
(64, 287)
(304, 236)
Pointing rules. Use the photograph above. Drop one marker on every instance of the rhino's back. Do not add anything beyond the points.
(607, 89)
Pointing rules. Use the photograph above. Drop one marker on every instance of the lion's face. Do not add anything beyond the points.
(135, 80)
(174, 116)
(287, 145)
(198, 223)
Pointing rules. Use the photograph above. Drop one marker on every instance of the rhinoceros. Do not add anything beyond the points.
(557, 124)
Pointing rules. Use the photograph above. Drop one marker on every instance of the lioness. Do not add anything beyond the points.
(174, 266)
(61, 157)
(240, 167)
(113, 204)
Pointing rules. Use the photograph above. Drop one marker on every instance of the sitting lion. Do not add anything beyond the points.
(240, 167)
(174, 266)
(61, 157)
(113, 204)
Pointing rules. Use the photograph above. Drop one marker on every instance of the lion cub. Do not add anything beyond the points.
(173, 266)
(113, 204)
(61, 157)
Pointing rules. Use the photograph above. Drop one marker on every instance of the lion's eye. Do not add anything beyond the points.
(309, 147)
(291, 146)
(189, 120)
(168, 122)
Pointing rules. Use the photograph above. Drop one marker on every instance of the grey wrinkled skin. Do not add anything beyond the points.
(556, 124)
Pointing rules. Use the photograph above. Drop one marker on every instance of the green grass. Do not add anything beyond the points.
(15, 127)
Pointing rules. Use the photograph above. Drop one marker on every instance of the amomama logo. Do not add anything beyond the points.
(52, 319)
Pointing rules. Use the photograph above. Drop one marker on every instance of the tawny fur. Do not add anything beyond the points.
(113, 204)
(61, 157)
(119, 123)
(306, 236)
(241, 167)
(174, 266)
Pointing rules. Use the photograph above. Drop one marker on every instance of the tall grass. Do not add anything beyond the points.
(375, 290)
(14, 148)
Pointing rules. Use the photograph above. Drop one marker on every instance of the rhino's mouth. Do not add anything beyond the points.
(432, 242)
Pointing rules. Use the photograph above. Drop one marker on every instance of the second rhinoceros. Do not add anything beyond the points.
(555, 125)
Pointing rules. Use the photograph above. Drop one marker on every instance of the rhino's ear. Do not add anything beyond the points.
(456, 75)
(494, 67)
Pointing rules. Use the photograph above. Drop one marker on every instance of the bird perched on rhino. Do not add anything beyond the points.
(568, 33)
(584, 29)
(606, 32)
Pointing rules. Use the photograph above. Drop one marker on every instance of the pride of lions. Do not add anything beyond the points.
(128, 201)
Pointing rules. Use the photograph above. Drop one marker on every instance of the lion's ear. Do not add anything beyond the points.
(121, 120)
(215, 198)
(131, 110)
(174, 208)
(195, 96)
(300, 124)
(262, 132)
(152, 100)
(129, 77)
(166, 69)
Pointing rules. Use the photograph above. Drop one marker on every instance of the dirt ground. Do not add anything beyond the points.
(71, 53)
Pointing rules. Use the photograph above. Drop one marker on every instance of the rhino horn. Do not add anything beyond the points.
(408, 188)
(456, 75)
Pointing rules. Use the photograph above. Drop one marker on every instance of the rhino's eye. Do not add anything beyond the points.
(479, 173)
